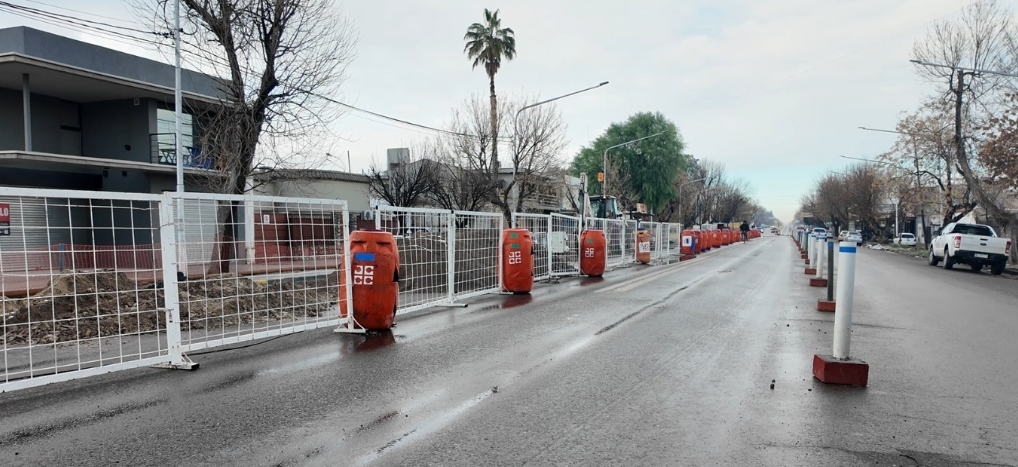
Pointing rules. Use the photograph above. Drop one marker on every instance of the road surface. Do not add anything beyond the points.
(652, 365)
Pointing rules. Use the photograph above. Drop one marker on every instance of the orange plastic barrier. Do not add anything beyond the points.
(593, 249)
(517, 261)
(715, 238)
(726, 237)
(642, 245)
(705, 243)
(688, 241)
(375, 272)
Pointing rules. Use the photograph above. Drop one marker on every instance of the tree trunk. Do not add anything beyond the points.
(494, 128)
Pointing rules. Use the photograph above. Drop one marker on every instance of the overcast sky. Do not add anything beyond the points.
(773, 89)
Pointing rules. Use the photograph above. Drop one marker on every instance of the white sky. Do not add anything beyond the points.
(774, 89)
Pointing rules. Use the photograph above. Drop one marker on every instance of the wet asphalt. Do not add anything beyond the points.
(651, 365)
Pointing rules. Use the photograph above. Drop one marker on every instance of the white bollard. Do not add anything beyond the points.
(813, 250)
(820, 258)
(843, 304)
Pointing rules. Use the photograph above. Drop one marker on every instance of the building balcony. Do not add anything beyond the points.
(164, 152)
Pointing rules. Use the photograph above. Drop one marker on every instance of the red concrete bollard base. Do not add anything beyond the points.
(811, 271)
(686, 257)
(826, 306)
(851, 372)
(818, 282)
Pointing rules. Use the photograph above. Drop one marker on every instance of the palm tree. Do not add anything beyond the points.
(487, 44)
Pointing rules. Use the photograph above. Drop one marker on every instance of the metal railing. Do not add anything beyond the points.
(164, 152)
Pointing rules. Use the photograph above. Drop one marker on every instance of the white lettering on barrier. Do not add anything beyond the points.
(588, 252)
(687, 241)
(363, 274)
(644, 247)
(516, 257)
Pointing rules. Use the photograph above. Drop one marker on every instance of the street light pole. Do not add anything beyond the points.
(604, 161)
(680, 194)
(516, 118)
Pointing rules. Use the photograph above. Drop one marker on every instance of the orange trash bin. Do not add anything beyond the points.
(517, 261)
(374, 271)
(688, 243)
(593, 249)
(642, 245)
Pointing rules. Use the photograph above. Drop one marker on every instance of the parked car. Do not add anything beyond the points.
(819, 231)
(905, 239)
(976, 245)
(853, 236)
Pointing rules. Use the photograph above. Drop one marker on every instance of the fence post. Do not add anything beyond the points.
(171, 292)
(450, 268)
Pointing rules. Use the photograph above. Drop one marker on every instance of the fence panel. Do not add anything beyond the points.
(630, 241)
(539, 226)
(615, 230)
(674, 239)
(80, 274)
(477, 253)
(423, 238)
(282, 277)
(564, 242)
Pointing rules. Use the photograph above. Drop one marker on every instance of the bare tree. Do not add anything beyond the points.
(280, 57)
(538, 137)
(410, 182)
(981, 39)
(926, 148)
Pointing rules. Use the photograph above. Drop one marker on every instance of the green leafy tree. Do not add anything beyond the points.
(487, 44)
(643, 172)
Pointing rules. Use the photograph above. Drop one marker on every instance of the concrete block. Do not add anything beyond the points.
(818, 282)
(829, 370)
(811, 271)
(825, 306)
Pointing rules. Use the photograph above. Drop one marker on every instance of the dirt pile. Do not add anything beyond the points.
(87, 305)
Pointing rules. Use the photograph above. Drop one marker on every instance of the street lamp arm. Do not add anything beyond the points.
(964, 69)
(604, 161)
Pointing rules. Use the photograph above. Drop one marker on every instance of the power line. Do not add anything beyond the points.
(100, 28)
(78, 21)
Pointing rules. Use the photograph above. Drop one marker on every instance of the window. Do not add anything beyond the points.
(165, 122)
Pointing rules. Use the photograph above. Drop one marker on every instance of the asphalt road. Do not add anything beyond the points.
(662, 365)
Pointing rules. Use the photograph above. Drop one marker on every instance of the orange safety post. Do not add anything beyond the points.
(517, 261)
(375, 275)
(642, 245)
(593, 252)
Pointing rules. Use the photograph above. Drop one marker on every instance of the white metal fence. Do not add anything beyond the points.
(444, 255)
(281, 278)
(94, 282)
(564, 243)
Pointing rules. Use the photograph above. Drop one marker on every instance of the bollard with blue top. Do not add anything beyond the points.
(841, 368)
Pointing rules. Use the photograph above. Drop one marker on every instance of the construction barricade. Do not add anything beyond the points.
(517, 261)
(593, 247)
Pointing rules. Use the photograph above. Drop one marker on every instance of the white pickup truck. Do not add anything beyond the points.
(976, 245)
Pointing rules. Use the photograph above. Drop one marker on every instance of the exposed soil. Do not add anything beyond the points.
(86, 305)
